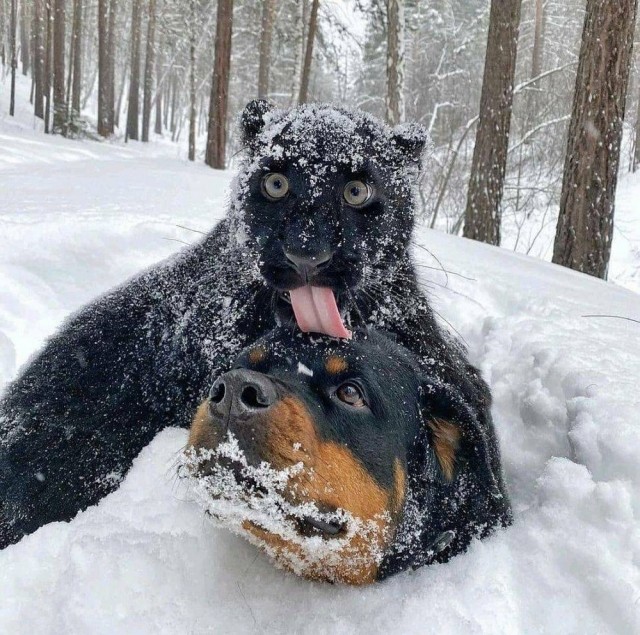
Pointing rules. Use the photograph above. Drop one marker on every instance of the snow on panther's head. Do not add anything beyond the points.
(325, 195)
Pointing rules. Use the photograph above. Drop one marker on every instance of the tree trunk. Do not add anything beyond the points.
(14, 57)
(268, 15)
(48, 66)
(148, 71)
(299, 28)
(111, 66)
(308, 56)
(636, 153)
(159, 92)
(536, 60)
(486, 184)
(24, 37)
(635, 164)
(59, 102)
(587, 203)
(104, 105)
(76, 85)
(67, 107)
(121, 90)
(395, 62)
(201, 115)
(167, 100)
(538, 41)
(134, 80)
(192, 102)
(216, 137)
(38, 56)
(174, 101)
(192, 85)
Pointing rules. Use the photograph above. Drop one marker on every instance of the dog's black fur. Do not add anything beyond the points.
(421, 439)
(141, 357)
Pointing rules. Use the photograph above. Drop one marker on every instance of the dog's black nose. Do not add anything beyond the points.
(307, 266)
(241, 392)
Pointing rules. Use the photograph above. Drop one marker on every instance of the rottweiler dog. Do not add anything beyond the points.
(343, 460)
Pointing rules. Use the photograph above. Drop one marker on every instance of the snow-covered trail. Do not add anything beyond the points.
(77, 218)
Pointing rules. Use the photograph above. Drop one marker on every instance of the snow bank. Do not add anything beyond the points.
(145, 560)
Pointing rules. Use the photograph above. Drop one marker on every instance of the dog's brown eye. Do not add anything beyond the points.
(357, 193)
(275, 186)
(351, 394)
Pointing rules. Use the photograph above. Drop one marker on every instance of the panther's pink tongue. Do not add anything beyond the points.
(316, 311)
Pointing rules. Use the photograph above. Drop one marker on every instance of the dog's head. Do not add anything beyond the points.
(341, 459)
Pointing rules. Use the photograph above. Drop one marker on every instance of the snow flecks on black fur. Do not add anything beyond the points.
(320, 137)
(231, 504)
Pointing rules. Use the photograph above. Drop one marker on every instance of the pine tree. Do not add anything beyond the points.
(395, 62)
(308, 56)
(76, 85)
(106, 10)
(14, 58)
(134, 81)
(192, 80)
(268, 15)
(59, 102)
(218, 104)
(585, 225)
(25, 58)
(39, 41)
(486, 184)
(148, 71)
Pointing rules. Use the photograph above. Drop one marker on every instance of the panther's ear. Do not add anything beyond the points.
(413, 139)
(457, 436)
(252, 118)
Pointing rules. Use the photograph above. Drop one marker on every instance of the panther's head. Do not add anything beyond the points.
(325, 195)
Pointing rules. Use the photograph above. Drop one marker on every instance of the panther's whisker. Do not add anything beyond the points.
(417, 244)
(190, 229)
(446, 271)
(357, 308)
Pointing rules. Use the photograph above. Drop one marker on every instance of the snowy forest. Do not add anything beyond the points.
(182, 69)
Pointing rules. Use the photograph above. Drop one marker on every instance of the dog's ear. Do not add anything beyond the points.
(252, 119)
(414, 141)
(458, 437)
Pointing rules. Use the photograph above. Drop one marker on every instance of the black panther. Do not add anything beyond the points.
(345, 461)
(318, 229)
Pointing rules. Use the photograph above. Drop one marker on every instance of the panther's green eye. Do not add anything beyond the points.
(357, 193)
(275, 186)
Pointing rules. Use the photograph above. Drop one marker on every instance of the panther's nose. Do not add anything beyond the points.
(308, 266)
(240, 393)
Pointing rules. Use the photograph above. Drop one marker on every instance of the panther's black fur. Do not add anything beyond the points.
(141, 357)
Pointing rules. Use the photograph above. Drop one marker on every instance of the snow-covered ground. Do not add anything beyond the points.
(77, 218)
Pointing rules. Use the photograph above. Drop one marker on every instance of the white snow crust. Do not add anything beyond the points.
(77, 218)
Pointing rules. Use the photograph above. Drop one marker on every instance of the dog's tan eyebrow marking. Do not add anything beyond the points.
(446, 440)
(335, 364)
(257, 354)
